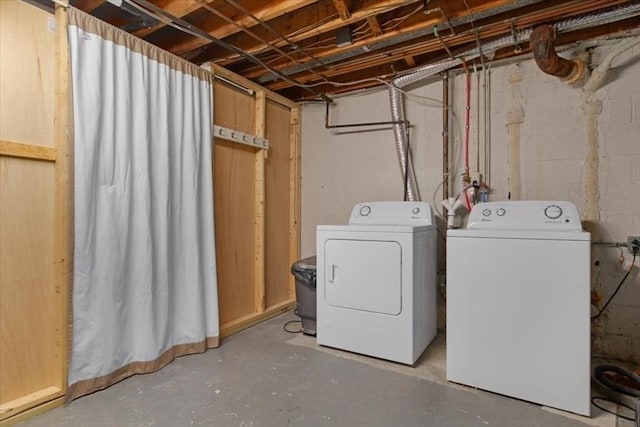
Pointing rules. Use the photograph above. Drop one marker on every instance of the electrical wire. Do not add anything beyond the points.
(284, 327)
(627, 383)
(595, 317)
(615, 402)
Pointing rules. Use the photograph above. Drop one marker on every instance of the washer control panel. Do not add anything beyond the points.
(392, 213)
(525, 215)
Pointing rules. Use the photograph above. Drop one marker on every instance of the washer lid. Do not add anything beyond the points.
(525, 215)
(375, 228)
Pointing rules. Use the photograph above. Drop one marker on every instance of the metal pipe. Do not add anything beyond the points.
(188, 28)
(234, 84)
(542, 43)
(395, 93)
(273, 31)
(445, 138)
(350, 125)
(260, 39)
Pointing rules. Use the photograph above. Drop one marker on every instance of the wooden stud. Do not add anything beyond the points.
(374, 25)
(260, 126)
(343, 9)
(27, 151)
(63, 216)
(410, 61)
(294, 191)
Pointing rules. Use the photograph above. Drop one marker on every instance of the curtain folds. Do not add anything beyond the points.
(145, 286)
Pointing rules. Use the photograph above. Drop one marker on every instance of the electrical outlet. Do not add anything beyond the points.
(633, 244)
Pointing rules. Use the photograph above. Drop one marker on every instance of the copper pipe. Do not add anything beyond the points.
(542, 43)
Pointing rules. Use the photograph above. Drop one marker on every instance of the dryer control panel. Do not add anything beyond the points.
(525, 215)
(392, 213)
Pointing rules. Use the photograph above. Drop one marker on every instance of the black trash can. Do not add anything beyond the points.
(304, 271)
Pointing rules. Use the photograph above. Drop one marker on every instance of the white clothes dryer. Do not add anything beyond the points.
(376, 281)
(518, 301)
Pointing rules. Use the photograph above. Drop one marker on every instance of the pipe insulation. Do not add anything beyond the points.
(395, 90)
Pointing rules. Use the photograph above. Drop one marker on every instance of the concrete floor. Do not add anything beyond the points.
(261, 378)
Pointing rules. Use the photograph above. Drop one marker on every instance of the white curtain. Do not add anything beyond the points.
(144, 264)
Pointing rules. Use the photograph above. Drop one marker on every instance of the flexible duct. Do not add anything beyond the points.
(400, 130)
(395, 93)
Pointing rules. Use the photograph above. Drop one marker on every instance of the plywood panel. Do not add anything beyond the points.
(277, 208)
(27, 294)
(233, 108)
(234, 185)
(26, 74)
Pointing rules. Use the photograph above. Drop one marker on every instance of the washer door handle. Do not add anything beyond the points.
(331, 273)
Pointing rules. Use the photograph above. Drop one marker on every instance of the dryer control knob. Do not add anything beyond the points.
(416, 210)
(501, 212)
(365, 210)
(486, 212)
(553, 212)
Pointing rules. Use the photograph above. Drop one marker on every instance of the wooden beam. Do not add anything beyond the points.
(374, 25)
(30, 413)
(63, 201)
(294, 193)
(29, 401)
(492, 27)
(178, 9)
(249, 320)
(88, 5)
(220, 29)
(260, 191)
(27, 151)
(343, 9)
(303, 20)
(410, 61)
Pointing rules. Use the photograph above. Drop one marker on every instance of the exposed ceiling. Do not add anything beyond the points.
(298, 39)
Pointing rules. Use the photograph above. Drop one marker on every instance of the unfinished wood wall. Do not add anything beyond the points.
(256, 203)
(256, 207)
(32, 282)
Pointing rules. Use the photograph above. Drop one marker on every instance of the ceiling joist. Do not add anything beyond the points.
(297, 38)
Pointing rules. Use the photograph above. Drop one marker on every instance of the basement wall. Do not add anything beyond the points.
(539, 114)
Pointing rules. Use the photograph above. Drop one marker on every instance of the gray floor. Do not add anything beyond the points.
(256, 378)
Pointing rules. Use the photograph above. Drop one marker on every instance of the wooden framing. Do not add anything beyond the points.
(35, 205)
(252, 289)
(27, 151)
(37, 211)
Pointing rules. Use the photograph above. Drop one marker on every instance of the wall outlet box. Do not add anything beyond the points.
(633, 244)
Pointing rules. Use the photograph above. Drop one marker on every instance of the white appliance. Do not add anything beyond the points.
(376, 281)
(518, 301)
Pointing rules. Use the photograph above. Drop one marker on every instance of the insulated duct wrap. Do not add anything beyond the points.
(488, 48)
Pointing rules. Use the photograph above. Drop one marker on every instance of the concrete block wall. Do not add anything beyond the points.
(545, 118)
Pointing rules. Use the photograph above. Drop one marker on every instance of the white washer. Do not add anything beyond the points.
(376, 281)
(518, 301)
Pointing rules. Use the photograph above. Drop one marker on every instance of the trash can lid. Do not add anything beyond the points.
(308, 263)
